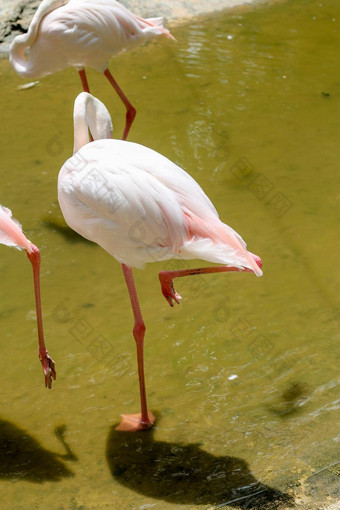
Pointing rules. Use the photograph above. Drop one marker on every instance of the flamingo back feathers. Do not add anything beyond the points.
(141, 207)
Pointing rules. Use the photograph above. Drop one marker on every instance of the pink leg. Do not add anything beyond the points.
(166, 278)
(86, 88)
(46, 361)
(130, 110)
(145, 419)
(84, 81)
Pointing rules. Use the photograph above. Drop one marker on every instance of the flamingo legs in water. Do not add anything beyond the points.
(130, 110)
(166, 278)
(84, 81)
(47, 362)
(145, 419)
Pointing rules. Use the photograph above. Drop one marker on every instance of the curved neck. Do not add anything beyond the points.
(22, 42)
(44, 8)
(81, 125)
(89, 114)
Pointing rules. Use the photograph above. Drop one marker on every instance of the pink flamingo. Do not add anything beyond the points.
(11, 234)
(140, 207)
(80, 33)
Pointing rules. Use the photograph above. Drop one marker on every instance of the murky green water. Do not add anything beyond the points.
(248, 102)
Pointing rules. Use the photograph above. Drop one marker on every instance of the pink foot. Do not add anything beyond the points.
(48, 366)
(168, 290)
(133, 423)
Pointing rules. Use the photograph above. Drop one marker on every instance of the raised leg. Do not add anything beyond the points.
(145, 419)
(130, 110)
(166, 278)
(46, 361)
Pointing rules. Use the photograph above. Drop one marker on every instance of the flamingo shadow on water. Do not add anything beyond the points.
(59, 227)
(23, 457)
(185, 473)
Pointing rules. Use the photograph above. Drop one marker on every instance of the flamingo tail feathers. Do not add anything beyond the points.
(217, 242)
(156, 25)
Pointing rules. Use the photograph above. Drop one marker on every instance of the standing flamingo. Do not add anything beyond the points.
(79, 33)
(140, 207)
(11, 234)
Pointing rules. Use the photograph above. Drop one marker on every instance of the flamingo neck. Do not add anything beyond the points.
(90, 114)
(81, 124)
(21, 64)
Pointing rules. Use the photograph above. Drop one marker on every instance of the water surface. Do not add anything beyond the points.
(244, 373)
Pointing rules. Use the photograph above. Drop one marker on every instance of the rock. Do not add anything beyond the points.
(15, 18)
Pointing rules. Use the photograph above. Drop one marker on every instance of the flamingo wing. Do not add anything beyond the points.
(107, 196)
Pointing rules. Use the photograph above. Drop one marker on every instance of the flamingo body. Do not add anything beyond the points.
(140, 207)
(82, 33)
(79, 33)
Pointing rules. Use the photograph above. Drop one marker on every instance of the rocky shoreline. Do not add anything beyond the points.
(15, 15)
